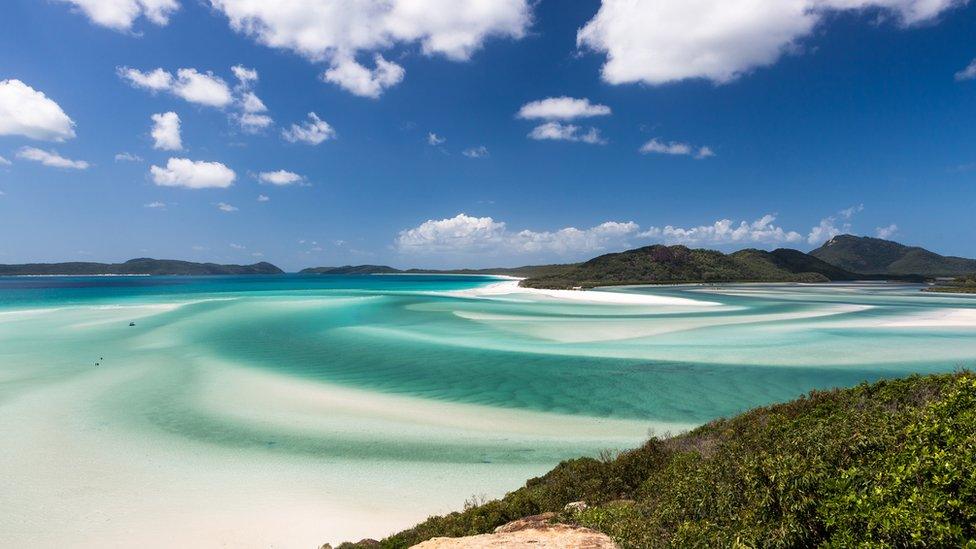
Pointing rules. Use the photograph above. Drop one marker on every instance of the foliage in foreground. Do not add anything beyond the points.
(891, 464)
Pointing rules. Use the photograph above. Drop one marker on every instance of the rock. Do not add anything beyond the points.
(536, 533)
(575, 506)
(533, 521)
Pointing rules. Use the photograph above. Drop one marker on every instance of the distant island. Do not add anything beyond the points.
(140, 266)
(842, 258)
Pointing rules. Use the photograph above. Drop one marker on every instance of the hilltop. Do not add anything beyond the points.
(660, 264)
(139, 266)
(887, 464)
(866, 255)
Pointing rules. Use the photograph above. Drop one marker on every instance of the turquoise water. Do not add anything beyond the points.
(402, 380)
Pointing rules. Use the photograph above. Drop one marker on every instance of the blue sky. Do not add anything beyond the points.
(717, 123)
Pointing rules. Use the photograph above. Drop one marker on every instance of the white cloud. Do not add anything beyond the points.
(280, 177)
(202, 88)
(433, 139)
(347, 73)
(562, 108)
(675, 148)
(121, 14)
(193, 86)
(252, 123)
(480, 151)
(566, 132)
(661, 41)
(313, 131)
(968, 73)
(225, 207)
(28, 112)
(829, 226)
(466, 234)
(127, 157)
(191, 174)
(336, 31)
(848, 213)
(263, 198)
(166, 131)
(4, 161)
(237, 246)
(886, 232)
(157, 205)
(725, 231)
(246, 76)
(251, 103)
(51, 158)
(154, 80)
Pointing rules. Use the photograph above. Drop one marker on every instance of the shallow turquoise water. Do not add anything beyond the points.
(397, 377)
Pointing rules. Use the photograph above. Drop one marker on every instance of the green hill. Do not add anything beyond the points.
(889, 464)
(140, 266)
(862, 254)
(678, 264)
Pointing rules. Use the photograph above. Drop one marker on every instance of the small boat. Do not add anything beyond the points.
(132, 324)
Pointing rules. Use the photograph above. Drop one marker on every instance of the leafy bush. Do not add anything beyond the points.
(891, 464)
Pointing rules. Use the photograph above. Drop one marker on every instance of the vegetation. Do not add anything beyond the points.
(861, 254)
(141, 266)
(960, 285)
(530, 270)
(679, 264)
(890, 464)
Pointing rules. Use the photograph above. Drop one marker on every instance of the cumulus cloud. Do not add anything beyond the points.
(661, 41)
(675, 148)
(886, 232)
(166, 131)
(196, 87)
(336, 32)
(968, 73)
(127, 157)
(246, 76)
(433, 139)
(357, 79)
(28, 112)
(566, 132)
(225, 207)
(725, 231)
(831, 226)
(51, 158)
(313, 131)
(192, 174)
(120, 15)
(562, 108)
(466, 234)
(280, 177)
(480, 151)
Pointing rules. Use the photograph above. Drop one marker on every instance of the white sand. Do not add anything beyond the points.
(511, 288)
(79, 471)
(939, 318)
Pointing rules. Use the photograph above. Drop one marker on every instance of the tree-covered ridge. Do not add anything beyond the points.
(679, 264)
(888, 464)
(140, 266)
(862, 254)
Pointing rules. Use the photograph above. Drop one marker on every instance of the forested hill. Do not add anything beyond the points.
(679, 264)
(140, 266)
(866, 255)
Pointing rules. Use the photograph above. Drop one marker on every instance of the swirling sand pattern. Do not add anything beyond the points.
(291, 411)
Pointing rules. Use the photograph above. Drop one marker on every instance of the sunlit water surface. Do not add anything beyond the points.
(289, 411)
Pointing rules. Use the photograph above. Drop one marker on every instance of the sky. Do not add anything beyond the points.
(475, 133)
